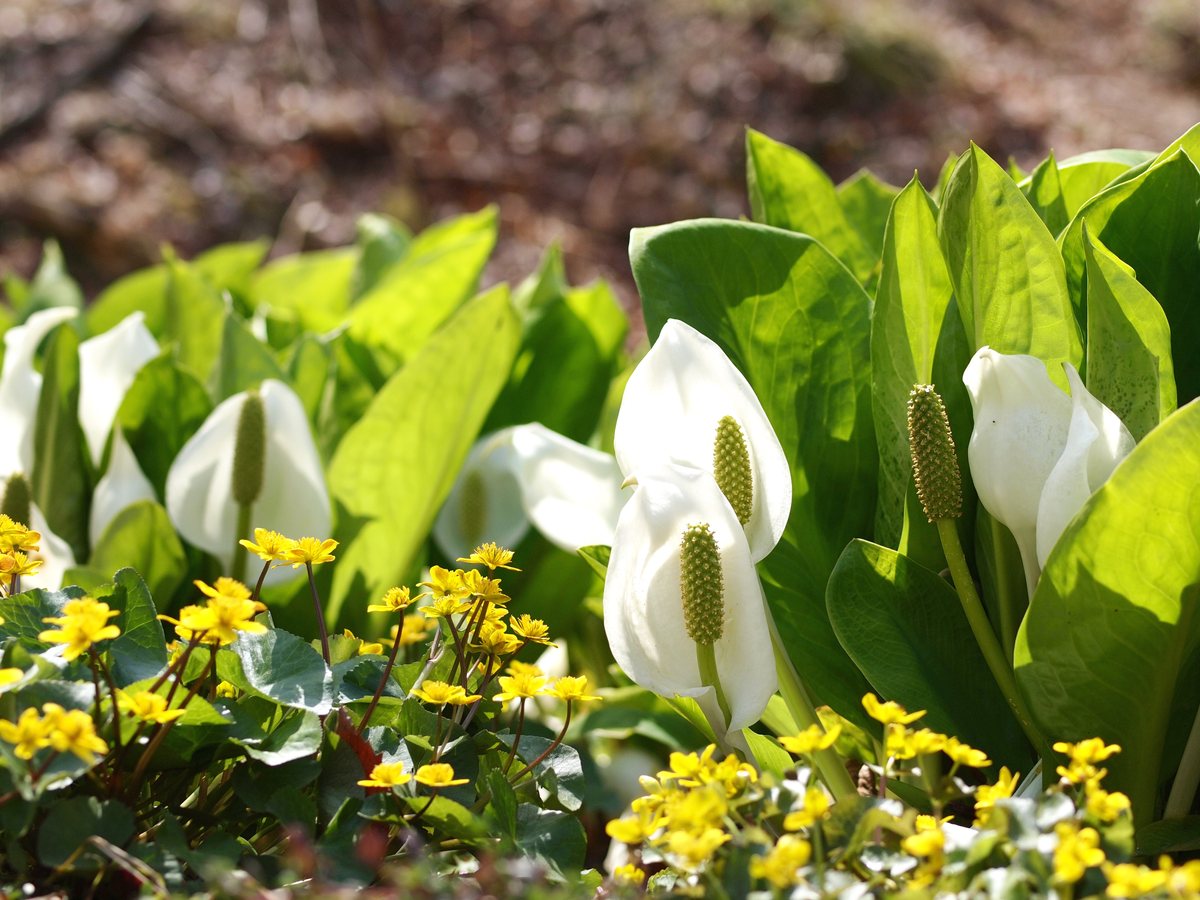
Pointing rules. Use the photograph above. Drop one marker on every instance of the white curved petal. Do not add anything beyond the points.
(123, 483)
(1096, 441)
(294, 499)
(1021, 423)
(643, 613)
(108, 363)
(56, 555)
(571, 493)
(21, 387)
(485, 502)
(673, 401)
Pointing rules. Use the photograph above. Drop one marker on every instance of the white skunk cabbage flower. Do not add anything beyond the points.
(21, 388)
(292, 498)
(528, 474)
(660, 601)
(687, 404)
(123, 483)
(56, 555)
(1037, 454)
(108, 363)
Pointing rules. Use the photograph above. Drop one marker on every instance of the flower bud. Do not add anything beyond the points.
(249, 451)
(731, 467)
(701, 587)
(935, 464)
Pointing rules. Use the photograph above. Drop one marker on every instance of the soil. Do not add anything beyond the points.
(127, 124)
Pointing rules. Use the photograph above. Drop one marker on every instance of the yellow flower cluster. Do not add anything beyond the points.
(229, 610)
(84, 622)
(273, 547)
(434, 776)
(16, 543)
(903, 743)
(63, 730)
(1132, 880)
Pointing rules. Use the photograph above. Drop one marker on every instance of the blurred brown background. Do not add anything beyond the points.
(126, 124)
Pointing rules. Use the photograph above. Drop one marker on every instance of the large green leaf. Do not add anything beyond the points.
(437, 274)
(867, 202)
(163, 407)
(1149, 223)
(192, 318)
(1128, 342)
(1083, 176)
(1045, 193)
(62, 476)
(244, 361)
(141, 536)
(279, 666)
(1109, 646)
(312, 288)
(1005, 267)
(141, 649)
(789, 190)
(905, 628)
(553, 838)
(796, 323)
(383, 242)
(393, 469)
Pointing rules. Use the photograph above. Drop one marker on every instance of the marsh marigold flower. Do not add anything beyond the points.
(515, 687)
(811, 739)
(438, 775)
(439, 693)
(84, 622)
(73, 731)
(529, 629)
(269, 546)
(310, 551)
(491, 556)
(571, 687)
(889, 713)
(148, 707)
(387, 775)
(394, 599)
(781, 865)
(28, 734)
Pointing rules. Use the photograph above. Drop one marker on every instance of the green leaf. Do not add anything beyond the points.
(1005, 267)
(503, 802)
(229, 267)
(1045, 195)
(905, 628)
(162, 409)
(1083, 176)
(1128, 341)
(789, 190)
(440, 271)
(540, 287)
(559, 776)
(62, 478)
(51, 284)
(311, 288)
(24, 613)
(192, 318)
(1109, 646)
(770, 756)
(279, 666)
(596, 557)
(142, 537)
(141, 649)
(393, 469)
(448, 817)
(244, 362)
(1149, 223)
(796, 324)
(553, 838)
(72, 821)
(867, 201)
(273, 736)
(382, 242)
(1169, 836)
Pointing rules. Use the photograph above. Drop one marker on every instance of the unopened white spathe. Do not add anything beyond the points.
(672, 404)
(1037, 454)
(294, 499)
(108, 364)
(485, 502)
(21, 388)
(643, 609)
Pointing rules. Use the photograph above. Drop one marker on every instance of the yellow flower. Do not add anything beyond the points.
(226, 689)
(84, 622)
(15, 563)
(148, 707)
(1078, 850)
(486, 589)
(73, 731)
(811, 739)
(571, 687)
(413, 631)
(495, 641)
(1132, 880)
(226, 588)
(695, 810)
(636, 829)
(387, 775)
(394, 600)
(1082, 759)
(1104, 805)
(10, 676)
(689, 768)
(694, 849)
(268, 545)
(781, 865)
(928, 846)
(965, 754)
(516, 667)
(310, 551)
(987, 795)
(445, 584)
(15, 536)
(889, 713)
(444, 607)
(221, 619)
(438, 775)
(816, 808)
(491, 556)
(904, 743)
(628, 875)
(530, 629)
(514, 686)
(29, 733)
(1182, 881)
(440, 693)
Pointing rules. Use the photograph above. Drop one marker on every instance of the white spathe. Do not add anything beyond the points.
(108, 364)
(56, 555)
(122, 484)
(294, 499)
(528, 474)
(21, 388)
(672, 403)
(1037, 454)
(643, 609)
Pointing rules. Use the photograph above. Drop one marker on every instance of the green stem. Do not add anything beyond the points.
(316, 599)
(1187, 778)
(830, 766)
(516, 737)
(387, 673)
(557, 740)
(985, 637)
(245, 510)
(706, 657)
(1010, 594)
